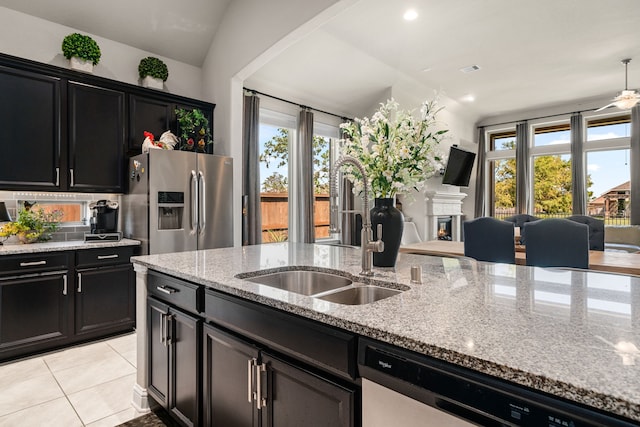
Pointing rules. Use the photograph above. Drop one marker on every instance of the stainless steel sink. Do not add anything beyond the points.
(302, 281)
(359, 295)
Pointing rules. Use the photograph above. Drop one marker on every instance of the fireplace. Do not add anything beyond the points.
(443, 211)
(445, 228)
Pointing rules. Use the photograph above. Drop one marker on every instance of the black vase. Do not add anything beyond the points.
(384, 212)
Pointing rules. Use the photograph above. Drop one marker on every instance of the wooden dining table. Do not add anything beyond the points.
(614, 262)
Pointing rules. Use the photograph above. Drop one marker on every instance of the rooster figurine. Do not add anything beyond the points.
(149, 142)
(168, 140)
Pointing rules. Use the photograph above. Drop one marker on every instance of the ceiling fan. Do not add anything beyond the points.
(626, 99)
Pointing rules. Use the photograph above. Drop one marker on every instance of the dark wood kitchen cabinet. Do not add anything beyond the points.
(247, 386)
(35, 303)
(31, 129)
(104, 291)
(96, 139)
(175, 347)
(53, 299)
(63, 130)
(157, 114)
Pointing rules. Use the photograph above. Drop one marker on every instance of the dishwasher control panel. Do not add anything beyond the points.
(472, 396)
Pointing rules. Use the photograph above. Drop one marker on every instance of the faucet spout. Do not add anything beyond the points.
(369, 246)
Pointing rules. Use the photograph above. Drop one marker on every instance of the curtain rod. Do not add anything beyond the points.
(296, 104)
(538, 118)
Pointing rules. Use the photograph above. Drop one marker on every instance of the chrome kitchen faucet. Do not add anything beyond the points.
(368, 245)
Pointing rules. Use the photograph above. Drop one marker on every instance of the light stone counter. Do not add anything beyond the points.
(573, 334)
(71, 245)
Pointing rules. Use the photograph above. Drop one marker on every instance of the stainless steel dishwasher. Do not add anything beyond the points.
(406, 389)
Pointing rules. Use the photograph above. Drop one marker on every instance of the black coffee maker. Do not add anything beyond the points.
(105, 217)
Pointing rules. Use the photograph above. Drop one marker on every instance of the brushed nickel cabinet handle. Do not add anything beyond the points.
(79, 282)
(57, 177)
(166, 290)
(32, 263)
(107, 256)
(64, 284)
(71, 172)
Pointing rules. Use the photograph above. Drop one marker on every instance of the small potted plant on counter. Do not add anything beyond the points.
(153, 72)
(33, 225)
(82, 52)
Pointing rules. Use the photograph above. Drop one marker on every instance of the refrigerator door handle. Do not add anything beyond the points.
(194, 201)
(202, 222)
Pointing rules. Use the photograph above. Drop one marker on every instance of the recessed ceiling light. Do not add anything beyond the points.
(410, 15)
(425, 70)
(470, 69)
(468, 98)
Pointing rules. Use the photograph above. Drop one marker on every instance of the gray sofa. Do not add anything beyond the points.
(622, 238)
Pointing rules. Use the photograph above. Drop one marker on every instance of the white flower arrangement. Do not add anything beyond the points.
(398, 151)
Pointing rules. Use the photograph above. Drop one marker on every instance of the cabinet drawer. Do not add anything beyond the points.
(179, 293)
(320, 345)
(103, 256)
(33, 263)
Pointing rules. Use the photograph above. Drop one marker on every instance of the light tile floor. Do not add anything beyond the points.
(86, 385)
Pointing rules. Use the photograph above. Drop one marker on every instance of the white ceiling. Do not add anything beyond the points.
(532, 54)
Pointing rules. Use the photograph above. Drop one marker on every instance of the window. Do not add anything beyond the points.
(74, 212)
(607, 168)
(552, 170)
(274, 178)
(502, 166)
(277, 134)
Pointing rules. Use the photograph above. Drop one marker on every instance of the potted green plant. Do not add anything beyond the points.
(33, 225)
(153, 72)
(82, 51)
(193, 128)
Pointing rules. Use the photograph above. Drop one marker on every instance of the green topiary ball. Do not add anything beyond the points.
(82, 46)
(153, 67)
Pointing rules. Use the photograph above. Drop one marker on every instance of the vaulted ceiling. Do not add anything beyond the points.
(531, 54)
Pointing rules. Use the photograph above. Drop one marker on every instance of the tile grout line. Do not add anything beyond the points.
(64, 392)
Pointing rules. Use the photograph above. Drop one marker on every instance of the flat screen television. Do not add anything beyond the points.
(459, 166)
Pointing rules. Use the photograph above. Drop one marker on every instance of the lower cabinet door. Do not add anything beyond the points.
(105, 300)
(229, 380)
(158, 368)
(34, 313)
(296, 397)
(185, 379)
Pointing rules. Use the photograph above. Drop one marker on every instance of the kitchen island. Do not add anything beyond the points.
(571, 334)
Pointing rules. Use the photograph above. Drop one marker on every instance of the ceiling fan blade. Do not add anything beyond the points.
(606, 106)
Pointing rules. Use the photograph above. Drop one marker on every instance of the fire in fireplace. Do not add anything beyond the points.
(444, 227)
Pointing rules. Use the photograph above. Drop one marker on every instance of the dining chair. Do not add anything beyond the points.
(489, 239)
(410, 234)
(596, 230)
(520, 220)
(557, 242)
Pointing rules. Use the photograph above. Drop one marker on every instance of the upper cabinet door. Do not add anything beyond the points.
(147, 114)
(96, 139)
(30, 130)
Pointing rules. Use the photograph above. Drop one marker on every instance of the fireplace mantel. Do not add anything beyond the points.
(443, 204)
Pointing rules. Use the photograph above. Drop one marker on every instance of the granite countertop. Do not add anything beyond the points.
(573, 334)
(71, 245)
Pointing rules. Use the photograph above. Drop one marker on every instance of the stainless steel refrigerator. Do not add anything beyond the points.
(179, 201)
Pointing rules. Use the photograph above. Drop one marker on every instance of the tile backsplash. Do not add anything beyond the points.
(65, 232)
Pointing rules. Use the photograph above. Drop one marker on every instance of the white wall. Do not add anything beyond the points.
(33, 38)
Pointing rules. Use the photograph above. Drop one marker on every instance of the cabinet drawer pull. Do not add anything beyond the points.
(162, 324)
(32, 263)
(79, 282)
(107, 256)
(57, 177)
(64, 284)
(166, 290)
(72, 180)
(250, 365)
(260, 400)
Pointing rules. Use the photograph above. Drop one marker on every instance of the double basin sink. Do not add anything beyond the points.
(325, 286)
